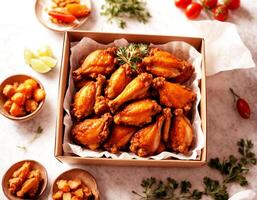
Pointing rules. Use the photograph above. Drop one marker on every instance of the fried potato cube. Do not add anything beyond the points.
(87, 191)
(32, 83)
(76, 198)
(19, 98)
(25, 89)
(17, 111)
(63, 185)
(58, 195)
(39, 94)
(31, 105)
(79, 193)
(66, 196)
(7, 105)
(8, 90)
(74, 184)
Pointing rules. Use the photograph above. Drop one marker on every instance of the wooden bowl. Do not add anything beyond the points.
(13, 168)
(83, 175)
(19, 78)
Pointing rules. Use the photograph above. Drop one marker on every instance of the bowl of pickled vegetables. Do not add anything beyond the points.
(21, 97)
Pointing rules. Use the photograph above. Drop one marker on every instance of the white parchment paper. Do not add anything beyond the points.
(180, 49)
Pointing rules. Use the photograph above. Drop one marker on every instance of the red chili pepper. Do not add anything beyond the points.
(67, 18)
(242, 106)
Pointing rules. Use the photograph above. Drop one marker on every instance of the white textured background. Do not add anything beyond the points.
(20, 28)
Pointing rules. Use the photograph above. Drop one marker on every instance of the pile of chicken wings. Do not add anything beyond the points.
(145, 111)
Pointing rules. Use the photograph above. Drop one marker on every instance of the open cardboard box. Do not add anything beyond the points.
(75, 36)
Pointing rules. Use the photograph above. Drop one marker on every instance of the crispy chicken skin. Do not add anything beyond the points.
(138, 113)
(118, 81)
(167, 124)
(136, 89)
(182, 133)
(98, 62)
(146, 141)
(84, 99)
(19, 177)
(92, 132)
(160, 148)
(164, 64)
(101, 105)
(174, 95)
(120, 137)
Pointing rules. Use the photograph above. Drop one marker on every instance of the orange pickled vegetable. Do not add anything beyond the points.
(78, 10)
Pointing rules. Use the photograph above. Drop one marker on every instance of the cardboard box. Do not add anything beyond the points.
(74, 36)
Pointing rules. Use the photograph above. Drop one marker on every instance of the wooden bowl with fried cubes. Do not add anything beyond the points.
(75, 184)
(21, 97)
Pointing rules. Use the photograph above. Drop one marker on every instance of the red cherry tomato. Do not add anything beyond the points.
(209, 3)
(182, 3)
(220, 13)
(243, 108)
(232, 4)
(193, 10)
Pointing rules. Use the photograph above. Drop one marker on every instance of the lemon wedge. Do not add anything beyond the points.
(28, 55)
(45, 51)
(39, 66)
(50, 62)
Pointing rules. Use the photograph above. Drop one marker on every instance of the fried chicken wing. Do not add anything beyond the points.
(120, 137)
(174, 95)
(31, 185)
(160, 148)
(101, 105)
(136, 89)
(118, 81)
(138, 113)
(84, 101)
(182, 133)
(19, 177)
(146, 141)
(167, 125)
(98, 62)
(85, 98)
(92, 132)
(164, 64)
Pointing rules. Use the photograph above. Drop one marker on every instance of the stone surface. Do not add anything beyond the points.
(225, 127)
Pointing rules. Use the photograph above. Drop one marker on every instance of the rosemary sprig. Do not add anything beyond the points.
(232, 169)
(119, 10)
(132, 54)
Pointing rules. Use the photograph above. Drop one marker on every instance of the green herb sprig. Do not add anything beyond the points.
(132, 54)
(119, 10)
(170, 189)
(232, 169)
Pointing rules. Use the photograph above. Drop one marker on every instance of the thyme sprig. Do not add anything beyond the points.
(120, 10)
(132, 54)
(232, 169)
